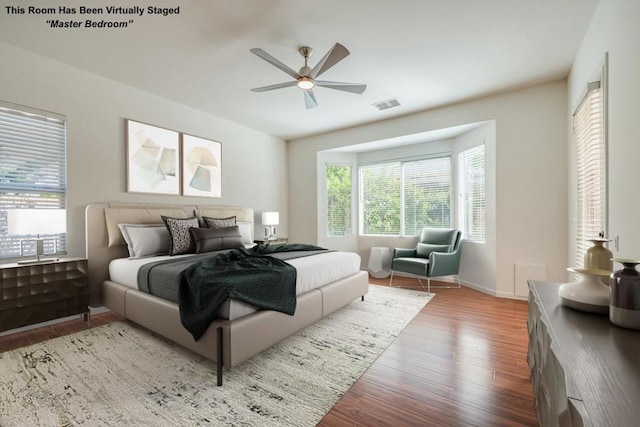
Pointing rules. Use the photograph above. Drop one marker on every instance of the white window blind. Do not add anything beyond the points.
(380, 198)
(32, 176)
(590, 169)
(402, 197)
(427, 194)
(471, 194)
(338, 200)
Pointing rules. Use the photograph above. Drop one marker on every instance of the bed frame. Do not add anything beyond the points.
(227, 342)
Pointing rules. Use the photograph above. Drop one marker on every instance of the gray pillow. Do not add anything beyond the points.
(245, 228)
(216, 239)
(145, 239)
(180, 238)
(424, 249)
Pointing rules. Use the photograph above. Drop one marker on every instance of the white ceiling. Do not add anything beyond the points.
(425, 53)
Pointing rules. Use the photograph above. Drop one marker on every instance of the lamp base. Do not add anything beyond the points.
(38, 261)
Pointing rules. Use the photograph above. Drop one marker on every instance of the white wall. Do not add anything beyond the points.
(614, 28)
(478, 262)
(531, 178)
(254, 165)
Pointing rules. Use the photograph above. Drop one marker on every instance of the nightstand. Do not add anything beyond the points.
(278, 240)
(34, 293)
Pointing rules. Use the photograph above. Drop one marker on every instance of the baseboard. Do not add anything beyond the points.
(492, 292)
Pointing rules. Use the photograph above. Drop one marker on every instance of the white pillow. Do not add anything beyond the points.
(145, 239)
(245, 232)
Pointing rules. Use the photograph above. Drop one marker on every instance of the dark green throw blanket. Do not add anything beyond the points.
(249, 276)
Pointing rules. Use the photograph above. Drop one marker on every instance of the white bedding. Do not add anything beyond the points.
(312, 272)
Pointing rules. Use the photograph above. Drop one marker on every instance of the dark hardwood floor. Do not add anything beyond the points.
(460, 362)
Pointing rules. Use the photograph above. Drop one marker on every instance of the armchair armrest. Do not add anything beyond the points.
(404, 253)
(444, 263)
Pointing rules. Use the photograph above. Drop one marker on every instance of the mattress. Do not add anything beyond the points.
(312, 272)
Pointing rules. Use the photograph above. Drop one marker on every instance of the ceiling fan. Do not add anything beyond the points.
(305, 79)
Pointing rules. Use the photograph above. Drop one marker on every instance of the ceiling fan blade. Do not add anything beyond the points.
(346, 87)
(310, 99)
(276, 86)
(273, 61)
(336, 54)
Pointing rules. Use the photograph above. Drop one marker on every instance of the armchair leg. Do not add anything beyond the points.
(391, 280)
(428, 288)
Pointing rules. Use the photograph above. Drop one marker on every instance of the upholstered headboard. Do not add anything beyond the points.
(104, 240)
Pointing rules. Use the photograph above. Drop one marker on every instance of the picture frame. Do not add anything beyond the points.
(201, 167)
(153, 159)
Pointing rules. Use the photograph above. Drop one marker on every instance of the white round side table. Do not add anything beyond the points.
(379, 262)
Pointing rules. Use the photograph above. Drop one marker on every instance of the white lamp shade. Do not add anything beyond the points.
(26, 222)
(270, 218)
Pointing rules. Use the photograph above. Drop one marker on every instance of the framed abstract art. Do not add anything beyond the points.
(201, 167)
(153, 159)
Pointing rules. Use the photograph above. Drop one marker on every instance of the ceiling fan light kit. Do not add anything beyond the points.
(306, 83)
(305, 79)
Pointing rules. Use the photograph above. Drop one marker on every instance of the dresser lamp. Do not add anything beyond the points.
(270, 220)
(39, 223)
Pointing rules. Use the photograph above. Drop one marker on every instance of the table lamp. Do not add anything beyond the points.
(270, 220)
(27, 223)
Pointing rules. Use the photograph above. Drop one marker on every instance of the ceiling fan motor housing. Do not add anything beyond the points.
(305, 51)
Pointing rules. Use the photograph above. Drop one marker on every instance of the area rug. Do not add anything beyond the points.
(121, 374)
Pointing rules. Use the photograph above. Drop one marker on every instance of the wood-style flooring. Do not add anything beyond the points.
(460, 362)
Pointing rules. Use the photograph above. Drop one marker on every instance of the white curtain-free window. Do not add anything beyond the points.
(32, 178)
(471, 194)
(402, 197)
(339, 192)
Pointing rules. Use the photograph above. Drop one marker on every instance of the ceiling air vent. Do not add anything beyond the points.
(385, 105)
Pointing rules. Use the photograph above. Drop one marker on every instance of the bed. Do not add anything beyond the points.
(243, 331)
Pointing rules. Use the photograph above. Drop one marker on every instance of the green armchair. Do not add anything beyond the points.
(437, 254)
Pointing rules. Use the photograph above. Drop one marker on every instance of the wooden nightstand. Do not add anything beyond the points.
(279, 241)
(34, 293)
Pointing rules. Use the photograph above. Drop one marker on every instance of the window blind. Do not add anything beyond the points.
(380, 198)
(32, 171)
(338, 200)
(590, 170)
(402, 197)
(471, 194)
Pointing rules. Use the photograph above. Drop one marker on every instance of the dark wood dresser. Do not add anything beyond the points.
(585, 370)
(34, 293)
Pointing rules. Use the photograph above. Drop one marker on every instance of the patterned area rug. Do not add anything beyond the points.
(121, 374)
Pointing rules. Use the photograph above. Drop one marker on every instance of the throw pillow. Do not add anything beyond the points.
(219, 222)
(215, 239)
(180, 238)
